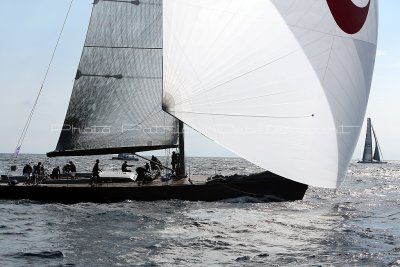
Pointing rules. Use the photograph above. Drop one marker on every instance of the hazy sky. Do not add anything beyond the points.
(28, 33)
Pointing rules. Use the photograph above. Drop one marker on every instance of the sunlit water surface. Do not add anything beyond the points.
(356, 225)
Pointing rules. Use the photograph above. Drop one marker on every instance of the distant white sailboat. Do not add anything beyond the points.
(368, 157)
(125, 156)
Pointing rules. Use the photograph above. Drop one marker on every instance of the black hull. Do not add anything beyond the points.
(269, 189)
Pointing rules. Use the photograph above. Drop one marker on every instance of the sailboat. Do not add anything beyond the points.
(377, 156)
(125, 156)
(272, 81)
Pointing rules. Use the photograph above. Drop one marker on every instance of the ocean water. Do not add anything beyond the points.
(355, 225)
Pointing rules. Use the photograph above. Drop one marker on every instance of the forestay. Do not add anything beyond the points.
(115, 105)
(283, 84)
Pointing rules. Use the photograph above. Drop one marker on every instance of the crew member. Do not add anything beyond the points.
(142, 174)
(125, 167)
(174, 160)
(27, 171)
(72, 169)
(66, 168)
(155, 163)
(38, 171)
(55, 174)
(96, 170)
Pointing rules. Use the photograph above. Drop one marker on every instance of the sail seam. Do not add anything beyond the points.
(244, 115)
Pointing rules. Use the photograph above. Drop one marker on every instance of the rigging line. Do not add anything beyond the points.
(249, 116)
(27, 124)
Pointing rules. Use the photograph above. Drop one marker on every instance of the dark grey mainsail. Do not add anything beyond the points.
(115, 105)
(367, 156)
(377, 155)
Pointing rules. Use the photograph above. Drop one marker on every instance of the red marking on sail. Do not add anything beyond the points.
(348, 16)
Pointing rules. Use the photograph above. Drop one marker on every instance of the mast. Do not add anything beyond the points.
(181, 138)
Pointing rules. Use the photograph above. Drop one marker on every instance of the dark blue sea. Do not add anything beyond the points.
(355, 225)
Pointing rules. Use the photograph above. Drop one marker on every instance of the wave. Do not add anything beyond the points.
(248, 199)
(42, 254)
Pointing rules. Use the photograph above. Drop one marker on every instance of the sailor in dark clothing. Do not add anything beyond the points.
(125, 167)
(96, 170)
(174, 160)
(142, 174)
(37, 168)
(55, 174)
(155, 163)
(27, 171)
(66, 168)
(72, 169)
(147, 166)
(39, 171)
(141, 171)
(33, 178)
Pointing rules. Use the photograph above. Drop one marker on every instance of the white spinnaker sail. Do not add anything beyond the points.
(279, 83)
